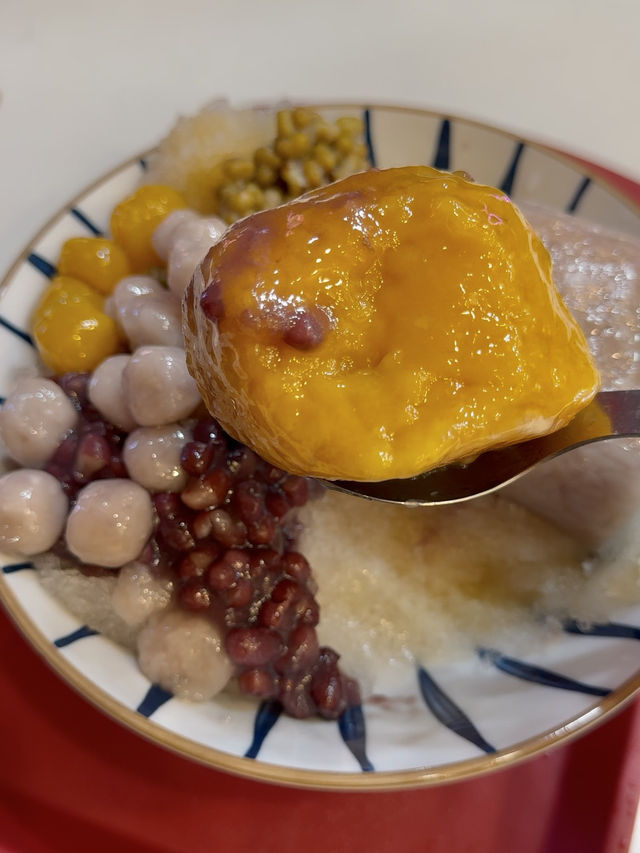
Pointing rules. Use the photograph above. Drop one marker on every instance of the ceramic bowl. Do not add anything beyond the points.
(464, 719)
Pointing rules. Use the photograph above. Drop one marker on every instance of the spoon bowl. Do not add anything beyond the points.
(611, 414)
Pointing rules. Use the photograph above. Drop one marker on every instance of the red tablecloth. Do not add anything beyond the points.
(72, 779)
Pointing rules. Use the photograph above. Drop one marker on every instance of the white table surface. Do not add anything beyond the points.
(85, 85)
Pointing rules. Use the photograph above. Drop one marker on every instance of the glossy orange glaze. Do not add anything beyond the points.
(383, 325)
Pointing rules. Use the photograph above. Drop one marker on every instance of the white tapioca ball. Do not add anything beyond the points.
(158, 387)
(110, 523)
(34, 419)
(33, 509)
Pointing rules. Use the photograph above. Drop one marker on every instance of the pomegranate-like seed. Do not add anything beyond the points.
(253, 646)
(258, 682)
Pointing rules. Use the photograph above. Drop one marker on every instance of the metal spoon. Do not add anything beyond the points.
(612, 414)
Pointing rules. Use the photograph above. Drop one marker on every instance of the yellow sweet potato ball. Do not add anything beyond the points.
(392, 322)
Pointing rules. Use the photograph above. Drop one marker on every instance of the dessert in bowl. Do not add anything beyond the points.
(426, 631)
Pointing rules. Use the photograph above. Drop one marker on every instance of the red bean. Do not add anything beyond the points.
(253, 647)
(238, 560)
(196, 457)
(307, 610)
(258, 682)
(296, 566)
(277, 503)
(326, 685)
(263, 561)
(115, 468)
(221, 576)
(296, 490)
(76, 386)
(211, 301)
(307, 330)
(97, 426)
(287, 590)
(248, 498)
(302, 651)
(262, 531)
(295, 698)
(65, 453)
(240, 594)
(167, 505)
(209, 431)
(148, 554)
(92, 455)
(227, 530)
(272, 475)
(202, 525)
(242, 463)
(197, 562)
(176, 535)
(195, 596)
(276, 615)
(207, 491)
